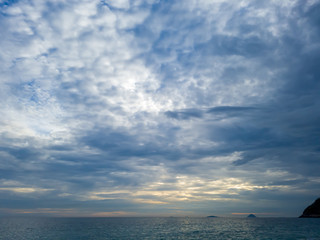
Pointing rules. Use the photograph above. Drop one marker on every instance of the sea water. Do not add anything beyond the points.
(158, 228)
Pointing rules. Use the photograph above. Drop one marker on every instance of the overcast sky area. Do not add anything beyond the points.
(159, 108)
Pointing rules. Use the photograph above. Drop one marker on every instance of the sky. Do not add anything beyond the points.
(159, 108)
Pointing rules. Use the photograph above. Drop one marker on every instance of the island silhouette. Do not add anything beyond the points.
(312, 211)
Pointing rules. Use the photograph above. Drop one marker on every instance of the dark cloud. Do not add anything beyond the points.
(222, 111)
(184, 114)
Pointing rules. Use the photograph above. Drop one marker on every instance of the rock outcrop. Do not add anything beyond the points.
(313, 211)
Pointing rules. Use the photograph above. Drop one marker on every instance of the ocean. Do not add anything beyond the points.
(158, 228)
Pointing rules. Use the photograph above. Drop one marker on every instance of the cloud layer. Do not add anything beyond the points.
(122, 108)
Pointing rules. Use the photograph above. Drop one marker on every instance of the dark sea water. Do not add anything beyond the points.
(158, 228)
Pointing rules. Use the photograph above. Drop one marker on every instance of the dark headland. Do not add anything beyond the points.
(251, 216)
(312, 211)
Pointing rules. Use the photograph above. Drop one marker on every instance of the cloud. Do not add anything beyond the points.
(218, 112)
(161, 107)
(184, 114)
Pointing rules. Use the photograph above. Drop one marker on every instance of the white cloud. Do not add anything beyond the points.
(85, 85)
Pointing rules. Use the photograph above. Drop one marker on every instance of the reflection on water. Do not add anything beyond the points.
(158, 228)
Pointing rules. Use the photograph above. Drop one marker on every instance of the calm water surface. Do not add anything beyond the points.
(158, 228)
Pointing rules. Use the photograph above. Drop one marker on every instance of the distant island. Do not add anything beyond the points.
(211, 216)
(312, 211)
(251, 216)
